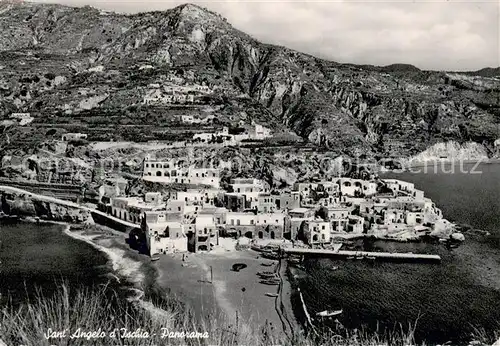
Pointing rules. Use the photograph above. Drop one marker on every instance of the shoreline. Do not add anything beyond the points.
(124, 269)
(188, 282)
(410, 164)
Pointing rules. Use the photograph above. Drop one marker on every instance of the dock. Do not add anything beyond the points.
(388, 256)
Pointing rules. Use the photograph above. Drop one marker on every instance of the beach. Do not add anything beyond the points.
(209, 282)
(232, 299)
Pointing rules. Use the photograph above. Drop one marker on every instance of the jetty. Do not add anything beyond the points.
(344, 254)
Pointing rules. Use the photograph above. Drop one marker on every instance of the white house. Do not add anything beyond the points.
(163, 236)
(73, 136)
(317, 232)
(170, 172)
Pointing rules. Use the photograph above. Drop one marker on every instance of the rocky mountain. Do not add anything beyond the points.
(86, 70)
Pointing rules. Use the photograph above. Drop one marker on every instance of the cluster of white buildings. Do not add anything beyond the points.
(171, 172)
(256, 132)
(172, 93)
(194, 218)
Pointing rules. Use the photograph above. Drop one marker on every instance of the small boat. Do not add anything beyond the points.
(274, 295)
(334, 268)
(371, 258)
(294, 260)
(329, 313)
(350, 257)
(256, 248)
(268, 277)
(266, 273)
(267, 264)
(155, 257)
(270, 255)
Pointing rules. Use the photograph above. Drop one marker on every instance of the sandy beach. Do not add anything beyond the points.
(236, 297)
(230, 298)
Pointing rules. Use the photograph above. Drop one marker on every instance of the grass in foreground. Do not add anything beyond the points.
(102, 310)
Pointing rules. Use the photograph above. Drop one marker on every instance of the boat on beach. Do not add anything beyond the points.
(274, 295)
(267, 264)
(270, 282)
(270, 255)
(268, 277)
(155, 257)
(266, 273)
(256, 248)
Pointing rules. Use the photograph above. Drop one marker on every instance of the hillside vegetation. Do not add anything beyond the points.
(81, 69)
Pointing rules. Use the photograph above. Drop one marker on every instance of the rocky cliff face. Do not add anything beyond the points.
(24, 205)
(81, 69)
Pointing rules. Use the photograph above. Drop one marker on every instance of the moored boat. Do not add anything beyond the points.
(270, 282)
(274, 295)
(329, 313)
(155, 257)
(256, 248)
(270, 255)
(266, 273)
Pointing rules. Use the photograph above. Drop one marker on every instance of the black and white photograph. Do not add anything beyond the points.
(250, 173)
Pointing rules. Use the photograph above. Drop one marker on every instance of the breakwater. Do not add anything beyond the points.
(343, 254)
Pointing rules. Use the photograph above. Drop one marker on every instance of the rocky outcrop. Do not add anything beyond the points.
(27, 205)
(452, 151)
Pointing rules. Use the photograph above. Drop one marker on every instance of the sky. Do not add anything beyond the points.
(448, 35)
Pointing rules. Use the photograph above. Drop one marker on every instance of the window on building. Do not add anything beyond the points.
(323, 227)
(238, 222)
(177, 235)
(251, 222)
(232, 222)
(179, 208)
(147, 165)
